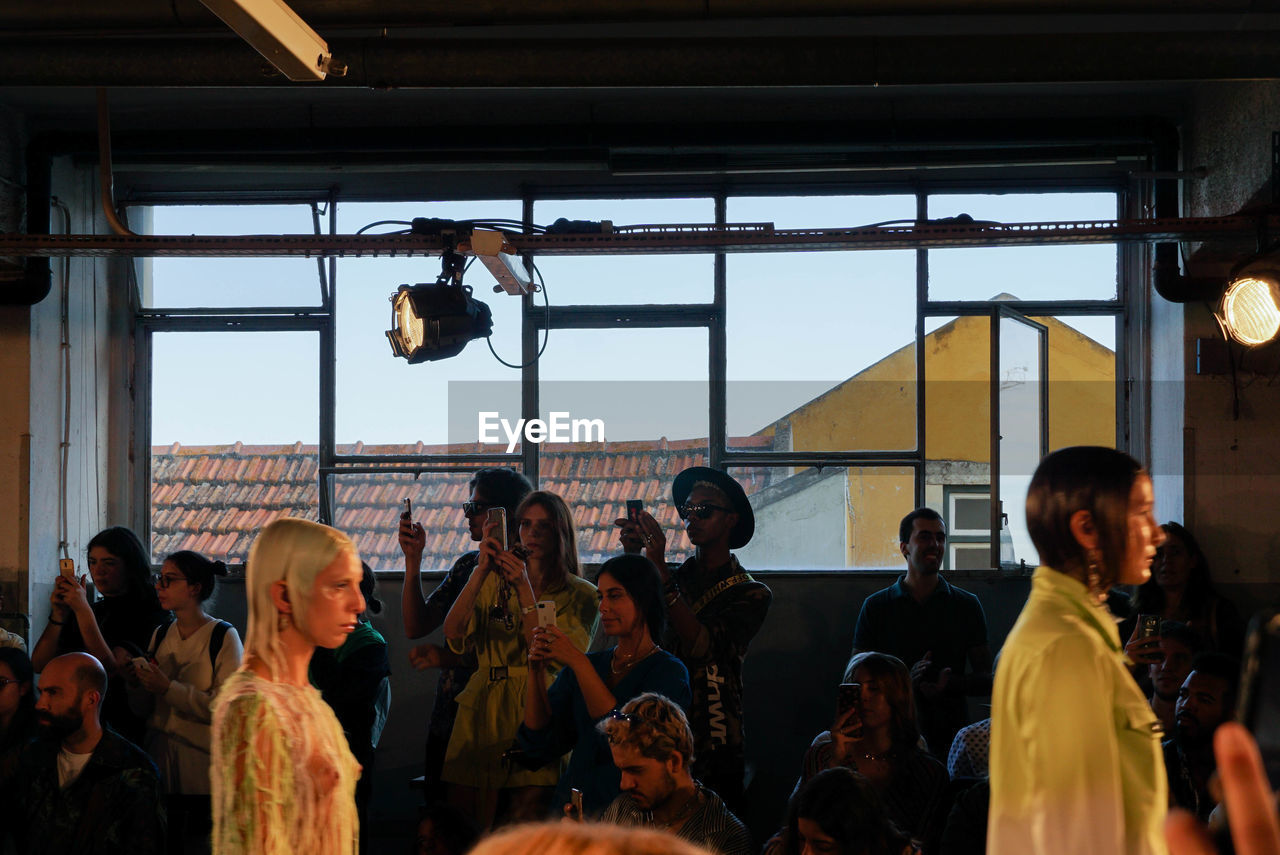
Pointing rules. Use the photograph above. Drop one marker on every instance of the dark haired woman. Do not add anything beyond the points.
(1181, 589)
(1076, 765)
(495, 615)
(189, 659)
(593, 685)
(880, 739)
(839, 812)
(355, 679)
(17, 698)
(115, 628)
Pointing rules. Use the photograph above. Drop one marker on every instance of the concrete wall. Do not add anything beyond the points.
(1231, 469)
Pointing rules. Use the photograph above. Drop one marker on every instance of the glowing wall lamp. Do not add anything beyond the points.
(1250, 308)
(275, 31)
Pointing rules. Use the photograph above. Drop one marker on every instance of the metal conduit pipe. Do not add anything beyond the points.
(105, 178)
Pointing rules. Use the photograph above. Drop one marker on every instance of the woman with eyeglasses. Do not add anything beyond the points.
(494, 616)
(188, 660)
(593, 686)
(490, 488)
(113, 629)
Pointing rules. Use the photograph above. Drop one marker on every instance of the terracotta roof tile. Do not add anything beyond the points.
(216, 498)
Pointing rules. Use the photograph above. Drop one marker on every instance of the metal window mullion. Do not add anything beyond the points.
(528, 357)
(328, 378)
(717, 353)
(993, 380)
(922, 301)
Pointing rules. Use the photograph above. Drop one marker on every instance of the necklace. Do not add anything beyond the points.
(630, 660)
(687, 808)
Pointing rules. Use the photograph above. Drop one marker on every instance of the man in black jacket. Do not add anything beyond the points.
(79, 788)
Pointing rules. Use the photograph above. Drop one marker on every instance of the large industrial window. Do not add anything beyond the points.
(857, 384)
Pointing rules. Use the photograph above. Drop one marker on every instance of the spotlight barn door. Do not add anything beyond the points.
(1019, 429)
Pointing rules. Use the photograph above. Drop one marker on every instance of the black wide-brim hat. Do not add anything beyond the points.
(741, 533)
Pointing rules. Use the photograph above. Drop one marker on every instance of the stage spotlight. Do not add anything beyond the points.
(436, 321)
(1250, 311)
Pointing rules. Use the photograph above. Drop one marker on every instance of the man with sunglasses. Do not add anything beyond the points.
(714, 608)
(490, 488)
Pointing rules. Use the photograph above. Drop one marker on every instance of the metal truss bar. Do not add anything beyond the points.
(427, 462)
(948, 308)
(227, 323)
(654, 239)
(824, 460)
(238, 311)
(633, 317)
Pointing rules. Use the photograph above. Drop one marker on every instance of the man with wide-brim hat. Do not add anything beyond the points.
(715, 609)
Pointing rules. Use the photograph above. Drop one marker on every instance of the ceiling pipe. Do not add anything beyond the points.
(1169, 282)
(105, 179)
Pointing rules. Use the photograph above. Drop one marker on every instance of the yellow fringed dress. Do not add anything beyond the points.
(283, 778)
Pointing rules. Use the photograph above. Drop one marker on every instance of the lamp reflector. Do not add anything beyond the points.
(1251, 309)
(435, 321)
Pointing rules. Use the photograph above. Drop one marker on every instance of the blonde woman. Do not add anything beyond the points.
(283, 778)
(577, 838)
(494, 616)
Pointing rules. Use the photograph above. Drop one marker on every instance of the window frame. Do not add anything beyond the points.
(1128, 312)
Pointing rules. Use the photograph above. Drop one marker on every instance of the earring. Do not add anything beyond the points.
(1093, 578)
(283, 621)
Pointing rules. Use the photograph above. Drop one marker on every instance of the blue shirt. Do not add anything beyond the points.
(591, 767)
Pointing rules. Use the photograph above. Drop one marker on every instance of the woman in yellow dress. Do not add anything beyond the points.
(495, 615)
(283, 778)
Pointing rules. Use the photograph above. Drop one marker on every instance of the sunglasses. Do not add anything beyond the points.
(5, 682)
(473, 508)
(702, 512)
(165, 581)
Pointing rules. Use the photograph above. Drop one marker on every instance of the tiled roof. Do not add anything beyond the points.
(214, 499)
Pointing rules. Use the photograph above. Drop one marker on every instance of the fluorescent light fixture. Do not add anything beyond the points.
(275, 31)
(1251, 309)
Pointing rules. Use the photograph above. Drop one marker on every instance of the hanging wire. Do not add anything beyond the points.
(546, 326)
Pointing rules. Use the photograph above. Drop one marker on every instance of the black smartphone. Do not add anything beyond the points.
(1259, 706)
(634, 507)
(499, 515)
(848, 697)
(1148, 626)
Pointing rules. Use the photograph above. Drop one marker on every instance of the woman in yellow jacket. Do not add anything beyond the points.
(1075, 748)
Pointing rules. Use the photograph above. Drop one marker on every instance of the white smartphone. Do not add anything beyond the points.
(140, 662)
(546, 613)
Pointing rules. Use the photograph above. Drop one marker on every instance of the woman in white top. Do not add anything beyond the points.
(189, 658)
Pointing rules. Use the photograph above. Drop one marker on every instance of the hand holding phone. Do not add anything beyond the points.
(575, 803)
(406, 510)
(498, 516)
(67, 567)
(546, 613)
(848, 721)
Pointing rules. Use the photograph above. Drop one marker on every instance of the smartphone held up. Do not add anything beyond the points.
(499, 516)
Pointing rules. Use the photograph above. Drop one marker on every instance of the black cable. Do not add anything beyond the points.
(546, 327)
(365, 228)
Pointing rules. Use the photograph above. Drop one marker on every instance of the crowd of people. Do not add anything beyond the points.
(618, 702)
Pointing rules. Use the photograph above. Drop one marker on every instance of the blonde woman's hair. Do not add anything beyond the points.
(653, 725)
(577, 838)
(294, 551)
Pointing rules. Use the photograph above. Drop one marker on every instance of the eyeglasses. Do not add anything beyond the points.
(5, 683)
(161, 581)
(702, 512)
(473, 508)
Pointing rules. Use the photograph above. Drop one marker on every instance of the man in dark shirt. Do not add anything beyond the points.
(79, 789)
(933, 627)
(715, 609)
(651, 743)
(490, 488)
(1206, 700)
